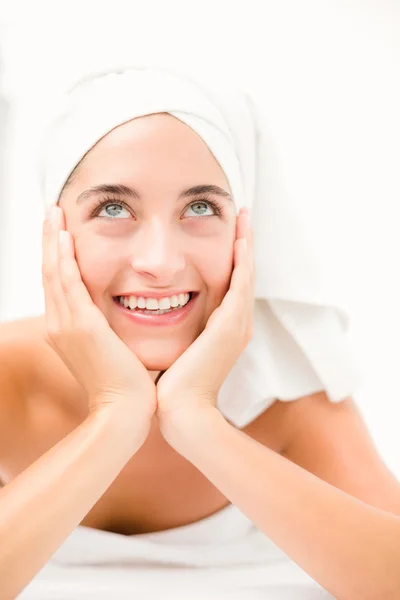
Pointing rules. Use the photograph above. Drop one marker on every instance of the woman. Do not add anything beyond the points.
(120, 404)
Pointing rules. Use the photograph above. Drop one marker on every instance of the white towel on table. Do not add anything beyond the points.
(221, 556)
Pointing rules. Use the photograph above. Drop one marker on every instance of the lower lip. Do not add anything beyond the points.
(171, 318)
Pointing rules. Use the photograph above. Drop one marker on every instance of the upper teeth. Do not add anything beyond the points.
(153, 303)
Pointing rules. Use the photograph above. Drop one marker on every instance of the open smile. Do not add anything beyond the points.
(171, 316)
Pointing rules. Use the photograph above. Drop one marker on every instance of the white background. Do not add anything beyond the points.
(329, 72)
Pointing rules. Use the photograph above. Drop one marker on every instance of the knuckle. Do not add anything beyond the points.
(67, 283)
(47, 272)
(47, 228)
(84, 327)
(53, 333)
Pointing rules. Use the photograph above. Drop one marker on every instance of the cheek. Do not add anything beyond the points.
(215, 268)
(97, 265)
(99, 262)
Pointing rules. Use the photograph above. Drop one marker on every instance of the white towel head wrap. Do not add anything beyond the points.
(299, 344)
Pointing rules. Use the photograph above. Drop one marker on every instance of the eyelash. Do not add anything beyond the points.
(218, 208)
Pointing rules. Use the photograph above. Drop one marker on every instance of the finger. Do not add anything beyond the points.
(250, 280)
(54, 302)
(241, 223)
(242, 241)
(76, 294)
(245, 230)
(241, 283)
(241, 275)
(242, 280)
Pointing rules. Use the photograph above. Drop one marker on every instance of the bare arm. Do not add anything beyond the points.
(350, 548)
(42, 506)
(46, 502)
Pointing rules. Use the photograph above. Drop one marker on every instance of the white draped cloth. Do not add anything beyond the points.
(223, 556)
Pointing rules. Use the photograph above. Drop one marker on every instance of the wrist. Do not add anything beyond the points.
(132, 429)
(186, 428)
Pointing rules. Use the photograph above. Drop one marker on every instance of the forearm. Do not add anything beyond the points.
(43, 505)
(350, 548)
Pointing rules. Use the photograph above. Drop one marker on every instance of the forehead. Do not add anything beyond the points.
(158, 143)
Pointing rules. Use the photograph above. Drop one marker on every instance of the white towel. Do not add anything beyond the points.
(222, 556)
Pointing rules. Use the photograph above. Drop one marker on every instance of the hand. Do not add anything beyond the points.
(77, 330)
(192, 383)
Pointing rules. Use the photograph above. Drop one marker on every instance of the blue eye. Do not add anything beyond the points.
(200, 208)
(114, 206)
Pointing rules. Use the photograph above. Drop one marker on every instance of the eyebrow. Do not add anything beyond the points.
(123, 190)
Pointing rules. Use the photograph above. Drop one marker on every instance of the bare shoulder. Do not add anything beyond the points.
(21, 330)
(314, 412)
(40, 401)
(27, 362)
(332, 441)
(21, 342)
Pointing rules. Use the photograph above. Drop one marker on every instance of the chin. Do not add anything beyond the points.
(156, 355)
(156, 362)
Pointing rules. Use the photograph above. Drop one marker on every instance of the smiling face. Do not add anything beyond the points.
(157, 242)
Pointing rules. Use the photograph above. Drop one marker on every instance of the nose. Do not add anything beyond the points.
(158, 252)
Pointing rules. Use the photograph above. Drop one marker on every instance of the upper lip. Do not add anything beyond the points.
(154, 294)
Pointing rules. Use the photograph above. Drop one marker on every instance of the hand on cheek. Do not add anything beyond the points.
(192, 383)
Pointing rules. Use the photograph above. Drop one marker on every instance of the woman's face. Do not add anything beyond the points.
(158, 242)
